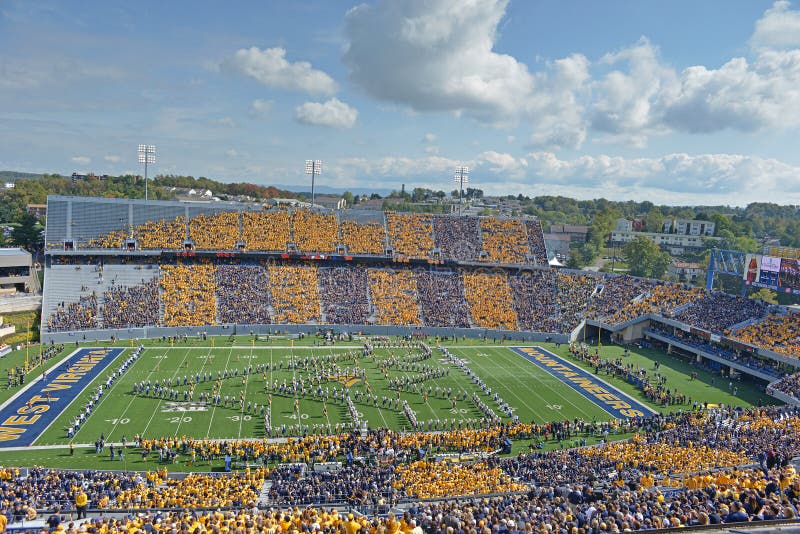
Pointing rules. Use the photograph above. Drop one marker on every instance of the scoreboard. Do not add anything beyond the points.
(779, 273)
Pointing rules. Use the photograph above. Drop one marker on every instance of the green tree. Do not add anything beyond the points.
(654, 221)
(766, 295)
(645, 258)
(28, 234)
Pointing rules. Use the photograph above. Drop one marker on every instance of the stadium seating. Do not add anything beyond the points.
(441, 297)
(504, 240)
(779, 333)
(490, 301)
(394, 295)
(410, 234)
(457, 237)
(219, 231)
(243, 294)
(717, 311)
(661, 300)
(536, 244)
(79, 315)
(535, 302)
(188, 294)
(265, 230)
(164, 234)
(363, 238)
(314, 232)
(131, 306)
(295, 295)
(572, 295)
(344, 295)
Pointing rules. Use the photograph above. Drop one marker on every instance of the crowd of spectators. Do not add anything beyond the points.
(78, 315)
(343, 295)
(779, 333)
(458, 238)
(131, 306)
(449, 479)
(243, 294)
(265, 230)
(188, 294)
(411, 234)
(572, 297)
(717, 311)
(536, 244)
(661, 299)
(764, 365)
(161, 234)
(617, 292)
(789, 384)
(314, 231)
(363, 238)
(295, 294)
(504, 240)
(679, 470)
(218, 231)
(394, 296)
(534, 301)
(197, 491)
(441, 297)
(490, 301)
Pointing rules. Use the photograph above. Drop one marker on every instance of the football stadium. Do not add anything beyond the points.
(239, 367)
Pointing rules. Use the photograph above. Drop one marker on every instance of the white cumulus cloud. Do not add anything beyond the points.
(333, 113)
(503, 163)
(270, 67)
(778, 28)
(112, 159)
(439, 56)
(81, 160)
(713, 174)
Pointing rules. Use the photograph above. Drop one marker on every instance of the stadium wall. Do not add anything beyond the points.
(82, 336)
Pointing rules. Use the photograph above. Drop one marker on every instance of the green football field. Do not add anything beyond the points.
(534, 394)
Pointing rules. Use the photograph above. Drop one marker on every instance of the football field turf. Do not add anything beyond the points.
(533, 393)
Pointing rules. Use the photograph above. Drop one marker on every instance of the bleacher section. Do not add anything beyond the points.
(257, 265)
(89, 223)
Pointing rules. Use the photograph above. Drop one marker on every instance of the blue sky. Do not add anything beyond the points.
(677, 102)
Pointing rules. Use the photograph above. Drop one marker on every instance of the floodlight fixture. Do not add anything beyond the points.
(461, 177)
(147, 155)
(314, 168)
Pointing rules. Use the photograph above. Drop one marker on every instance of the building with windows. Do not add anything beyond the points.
(16, 271)
(688, 227)
(683, 271)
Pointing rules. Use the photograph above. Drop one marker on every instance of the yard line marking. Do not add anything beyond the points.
(566, 398)
(133, 398)
(181, 419)
(512, 391)
(213, 404)
(246, 382)
(160, 401)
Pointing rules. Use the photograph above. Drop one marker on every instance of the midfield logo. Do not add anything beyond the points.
(184, 407)
(346, 380)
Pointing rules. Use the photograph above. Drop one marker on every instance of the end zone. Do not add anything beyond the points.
(26, 416)
(600, 392)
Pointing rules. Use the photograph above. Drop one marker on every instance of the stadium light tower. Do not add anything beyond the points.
(147, 154)
(314, 168)
(461, 178)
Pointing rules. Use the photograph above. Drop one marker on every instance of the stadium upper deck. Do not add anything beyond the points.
(91, 224)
